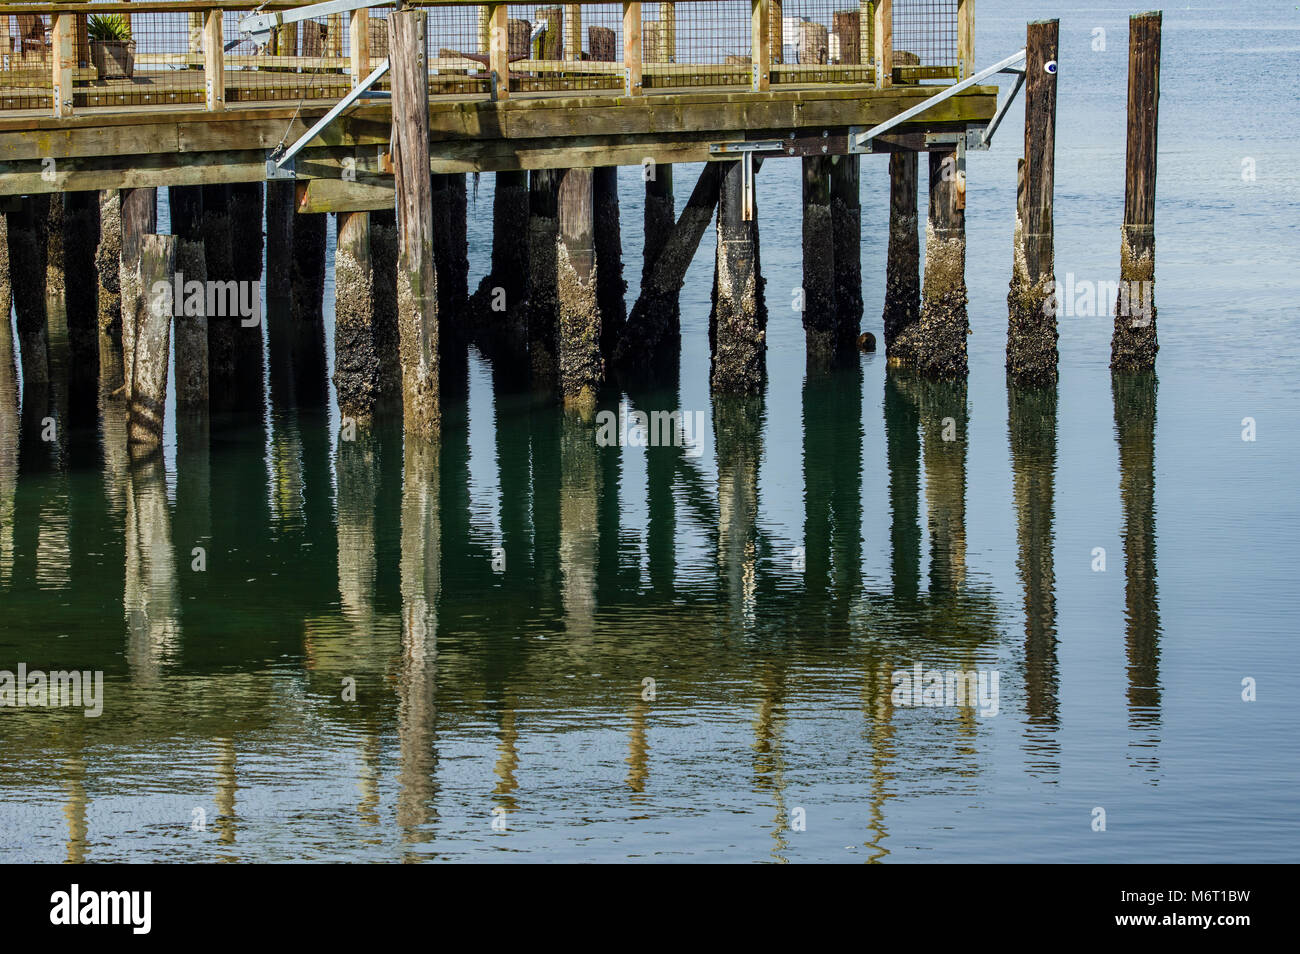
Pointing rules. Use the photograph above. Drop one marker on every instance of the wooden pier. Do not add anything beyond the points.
(550, 99)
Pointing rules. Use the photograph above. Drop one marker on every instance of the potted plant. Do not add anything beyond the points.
(111, 48)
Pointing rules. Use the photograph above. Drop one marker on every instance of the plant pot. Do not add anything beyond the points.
(113, 59)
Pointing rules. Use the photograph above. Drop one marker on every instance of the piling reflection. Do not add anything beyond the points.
(1032, 429)
(151, 597)
(9, 415)
(1135, 424)
(737, 433)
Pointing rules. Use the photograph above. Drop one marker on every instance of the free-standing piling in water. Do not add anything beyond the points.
(846, 224)
(1031, 329)
(1134, 345)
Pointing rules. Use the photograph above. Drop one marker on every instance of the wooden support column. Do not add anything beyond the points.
(846, 223)
(214, 63)
(80, 238)
(28, 252)
(417, 290)
(738, 322)
(654, 325)
(611, 288)
(818, 260)
(1032, 327)
(582, 369)
(940, 342)
(246, 210)
(903, 267)
(965, 38)
(632, 47)
(1134, 345)
(761, 44)
(499, 48)
(882, 32)
(219, 262)
(185, 204)
(279, 248)
(63, 61)
(543, 302)
(359, 43)
(139, 218)
(108, 261)
(151, 321)
(503, 290)
(451, 242)
(356, 342)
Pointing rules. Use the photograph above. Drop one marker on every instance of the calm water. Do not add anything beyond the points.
(520, 697)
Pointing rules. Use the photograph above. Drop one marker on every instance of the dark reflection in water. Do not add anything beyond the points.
(1031, 423)
(344, 647)
(1135, 425)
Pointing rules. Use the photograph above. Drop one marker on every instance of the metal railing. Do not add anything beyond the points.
(62, 57)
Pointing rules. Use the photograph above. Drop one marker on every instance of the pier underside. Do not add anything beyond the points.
(348, 167)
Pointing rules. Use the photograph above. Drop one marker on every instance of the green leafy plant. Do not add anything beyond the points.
(108, 27)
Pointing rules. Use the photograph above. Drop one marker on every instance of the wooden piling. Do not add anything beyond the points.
(1134, 345)
(151, 320)
(738, 321)
(819, 308)
(55, 266)
(80, 238)
(383, 260)
(246, 210)
(653, 329)
(357, 343)
(28, 249)
(1031, 330)
(185, 204)
(139, 218)
(903, 266)
(500, 296)
(581, 366)
(417, 291)
(940, 347)
(611, 288)
(659, 219)
(846, 224)
(108, 255)
(219, 263)
(543, 303)
(279, 246)
(451, 243)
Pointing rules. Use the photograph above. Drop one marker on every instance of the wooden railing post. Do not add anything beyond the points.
(573, 31)
(214, 62)
(632, 47)
(63, 59)
(359, 44)
(761, 46)
(499, 48)
(884, 43)
(965, 38)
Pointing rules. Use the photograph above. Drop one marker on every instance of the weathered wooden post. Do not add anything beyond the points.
(356, 350)
(903, 266)
(28, 250)
(80, 237)
(1032, 331)
(543, 301)
(139, 218)
(502, 291)
(186, 206)
(246, 209)
(306, 309)
(846, 224)
(738, 323)
(451, 243)
(417, 290)
(55, 265)
(819, 308)
(582, 368)
(1134, 345)
(611, 288)
(882, 37)
(108, 256)
(219, 263)
(940, 343)
(151, 320)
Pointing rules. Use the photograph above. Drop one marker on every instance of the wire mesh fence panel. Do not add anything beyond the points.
(26, 79)
(821, 41)
(687, 44)
(308, 60)
(925, 33)
(457, 40)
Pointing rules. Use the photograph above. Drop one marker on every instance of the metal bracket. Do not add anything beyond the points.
(858, 141)
(355, 94)
(739, 148)
(279, 169)
(987, 138)
(493, 80)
